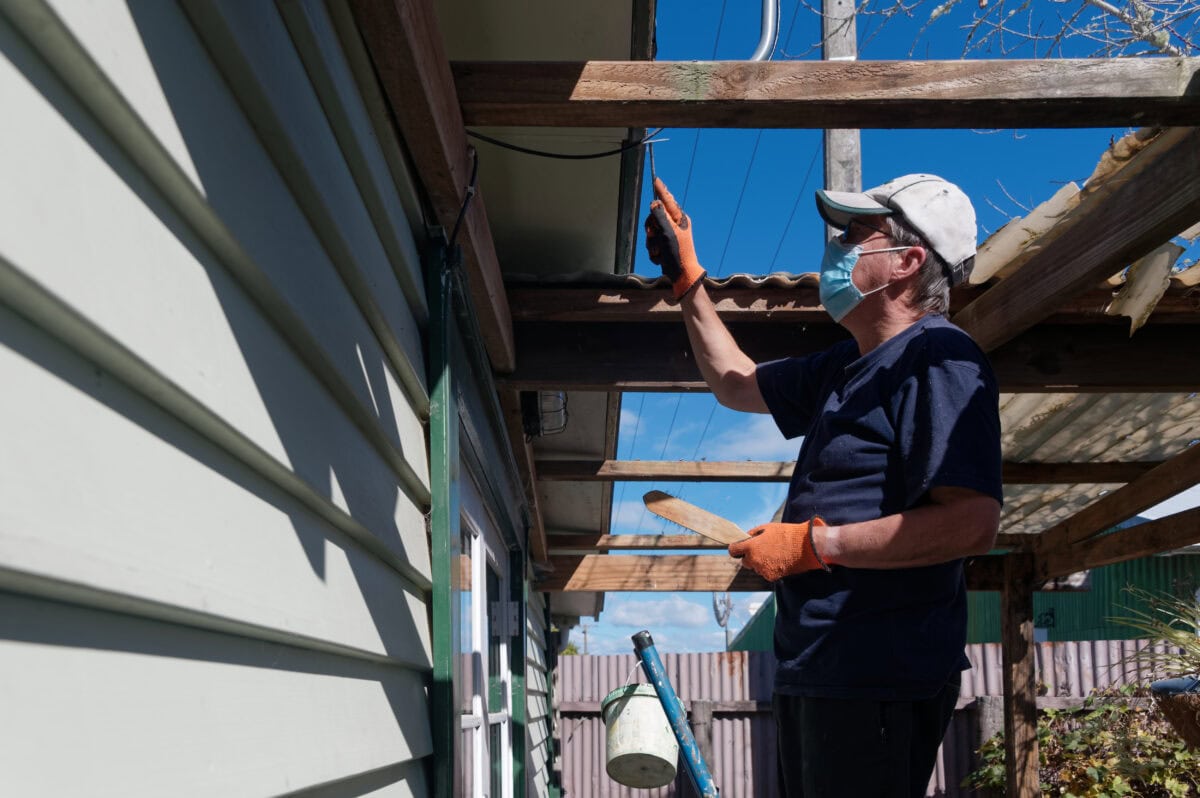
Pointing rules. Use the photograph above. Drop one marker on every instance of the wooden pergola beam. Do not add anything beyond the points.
(1019, 676)
(1156, 196)
(702, 573)
(510, 405)
(405, 44)
(751, 471)
(1059, 548)
(1047, 93)
(651, 573)
(1153, 537)
(792, 305)
(583, 544)
(655, 356)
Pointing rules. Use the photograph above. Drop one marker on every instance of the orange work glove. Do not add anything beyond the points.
(669, 241)
(774, 551)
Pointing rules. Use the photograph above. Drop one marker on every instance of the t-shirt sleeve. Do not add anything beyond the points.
(950, 429)
(790, 388)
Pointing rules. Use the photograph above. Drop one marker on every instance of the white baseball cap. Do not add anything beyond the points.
(935, 208)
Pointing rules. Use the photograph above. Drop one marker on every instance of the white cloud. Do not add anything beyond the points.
(763, 507)
(750, 437)
(750, 603)
(628, 513)
(650, 613)
(629, 420)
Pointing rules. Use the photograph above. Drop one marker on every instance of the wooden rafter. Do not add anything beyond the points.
(793, 305)
(751, 471)
(1064, 545)
(1163, 534)
(1018, 652)
(658, 573)
(581, 543)
(703, 573)
(588, 544)
(1156, 196)
(846, 94)
(405, 44)
(510, 404)
(655, 356)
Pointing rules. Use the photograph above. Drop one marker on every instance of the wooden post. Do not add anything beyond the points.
(1020, 689)
(843, 156)
(702, 728)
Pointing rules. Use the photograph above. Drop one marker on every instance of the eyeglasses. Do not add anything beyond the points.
(846, 235)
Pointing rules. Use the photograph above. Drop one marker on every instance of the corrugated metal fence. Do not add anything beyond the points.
(739, 683)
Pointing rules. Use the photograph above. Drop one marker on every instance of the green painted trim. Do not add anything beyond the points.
(551, 652)
(444, 522)
(516, 660)
(476, 369)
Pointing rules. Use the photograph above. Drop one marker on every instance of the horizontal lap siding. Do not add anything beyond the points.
(539, 719)
(214, 566)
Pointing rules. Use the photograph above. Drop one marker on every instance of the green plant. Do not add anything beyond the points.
(1170, 620)
(1110, 746)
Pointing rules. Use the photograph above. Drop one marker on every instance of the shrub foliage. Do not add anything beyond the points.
(1108, 747)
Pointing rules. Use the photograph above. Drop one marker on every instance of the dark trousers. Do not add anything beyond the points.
(832, 747)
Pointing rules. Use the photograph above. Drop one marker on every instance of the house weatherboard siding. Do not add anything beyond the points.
(539, 718)
(214, 561)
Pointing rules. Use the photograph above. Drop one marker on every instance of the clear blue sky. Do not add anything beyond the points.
(750, 196)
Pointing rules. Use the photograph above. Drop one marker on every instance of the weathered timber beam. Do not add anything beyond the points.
(703, 573)
(582, 543)
(510, 404)
(1153, 537)
(657, 357)
(798, 305)
(590, 544)
(405, 44)
(1156, 196)
(1046, 93)
(1014, 541)
(716, 707)
(1019, 671)
(751, 471)
(651, 470)
(1060, 542)
(1074, 473)
(651, 573)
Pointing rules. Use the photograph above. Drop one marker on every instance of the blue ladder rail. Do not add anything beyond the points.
(693, 762)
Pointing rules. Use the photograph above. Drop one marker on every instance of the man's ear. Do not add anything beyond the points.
(911, 261)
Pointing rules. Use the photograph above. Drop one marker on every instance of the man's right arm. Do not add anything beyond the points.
(729, 372)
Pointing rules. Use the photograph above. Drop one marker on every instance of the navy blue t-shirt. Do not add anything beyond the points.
(917, 412)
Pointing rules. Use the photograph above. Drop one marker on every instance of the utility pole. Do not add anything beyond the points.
(584, 627)
(843, 150)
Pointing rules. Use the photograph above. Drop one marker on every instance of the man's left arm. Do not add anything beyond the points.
(957, 522)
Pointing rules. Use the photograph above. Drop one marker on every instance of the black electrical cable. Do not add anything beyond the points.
(462, 212)
(562, 155)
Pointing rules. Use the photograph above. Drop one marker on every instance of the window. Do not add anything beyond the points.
(484, 689)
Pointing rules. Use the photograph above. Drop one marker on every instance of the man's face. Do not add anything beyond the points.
(872, 234)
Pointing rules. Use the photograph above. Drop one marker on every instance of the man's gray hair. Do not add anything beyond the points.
(933, 284)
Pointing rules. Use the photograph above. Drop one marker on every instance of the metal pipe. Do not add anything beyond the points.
(770, 31)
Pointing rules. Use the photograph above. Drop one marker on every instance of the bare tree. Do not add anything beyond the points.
(1043, 28)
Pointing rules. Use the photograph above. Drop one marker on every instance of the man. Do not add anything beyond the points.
(897, 480)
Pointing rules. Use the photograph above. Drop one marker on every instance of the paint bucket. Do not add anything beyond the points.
(640, 748)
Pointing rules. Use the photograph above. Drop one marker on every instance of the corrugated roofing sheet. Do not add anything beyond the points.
(1061, 427)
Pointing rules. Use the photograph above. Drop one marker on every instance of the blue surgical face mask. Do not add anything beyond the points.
(838, 292)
